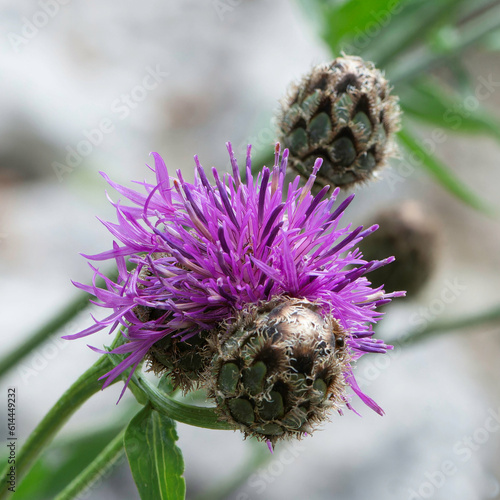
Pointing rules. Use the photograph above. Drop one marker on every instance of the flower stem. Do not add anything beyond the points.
(79, 303)
(435, 329)
(42, 334)
(87, 385)
(99, 468)
(197, 416)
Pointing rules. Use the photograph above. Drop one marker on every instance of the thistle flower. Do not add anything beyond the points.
(343, 113)
(230, 270)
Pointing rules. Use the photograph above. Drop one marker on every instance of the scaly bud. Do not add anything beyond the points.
(279, 369)
(343, 113)
(413, 238)
(184, 360)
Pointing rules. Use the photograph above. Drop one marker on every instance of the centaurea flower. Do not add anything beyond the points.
(209, 256)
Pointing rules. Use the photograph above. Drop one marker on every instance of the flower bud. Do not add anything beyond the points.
(183, 360)
(343, 113)
(278, 369)
(412, 238)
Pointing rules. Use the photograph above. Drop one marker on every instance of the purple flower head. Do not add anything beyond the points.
(205, 251)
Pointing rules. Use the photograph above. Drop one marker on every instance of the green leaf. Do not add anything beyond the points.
(67, 457)
(381, 30)
(155, 460)
(349, 21)
(473, 32)
(443, 174)
(427, 101)
(61, 463)
(187, 414)
(409, 28)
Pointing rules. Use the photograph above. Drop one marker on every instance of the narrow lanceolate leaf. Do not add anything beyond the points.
(442, 173)
(155, 460)
(411, 24)
(425, 100)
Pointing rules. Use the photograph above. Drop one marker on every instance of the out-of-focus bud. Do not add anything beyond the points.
(408, 234)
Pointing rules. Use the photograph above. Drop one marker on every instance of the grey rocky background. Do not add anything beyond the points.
(219, 75)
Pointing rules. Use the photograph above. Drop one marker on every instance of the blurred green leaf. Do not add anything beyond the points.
(475, 31)
(432, 104)
(62, 462)
(413, 26)
(462, 79)
(349, 22)
(442, 173)
(380, 30)
(155, 460)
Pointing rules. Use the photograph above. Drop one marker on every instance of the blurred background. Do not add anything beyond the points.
(87, 88)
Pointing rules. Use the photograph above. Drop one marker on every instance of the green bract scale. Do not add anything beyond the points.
(343, 113)
(279, 369)
(184, 361)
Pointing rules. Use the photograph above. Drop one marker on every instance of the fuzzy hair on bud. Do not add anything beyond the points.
(184, 361)
(279, 369)
(343, 113)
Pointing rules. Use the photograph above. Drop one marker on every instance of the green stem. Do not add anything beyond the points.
(197, 416)
(78, 304)
(87, 385)
(96, 470)
(435, 329)
(41, 335)
(483, 26)
(145, 392)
